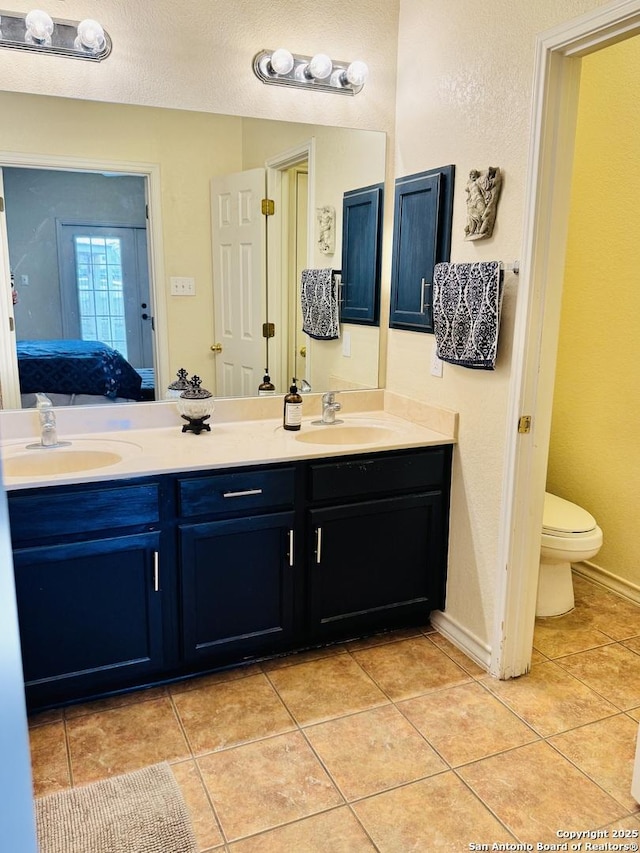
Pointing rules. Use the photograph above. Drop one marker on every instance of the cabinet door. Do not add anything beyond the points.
(237, 587)
(90, 615)
(423, 209)
(361, 246)
(376, 564)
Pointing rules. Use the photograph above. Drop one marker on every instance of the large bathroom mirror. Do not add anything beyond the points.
(158, 180)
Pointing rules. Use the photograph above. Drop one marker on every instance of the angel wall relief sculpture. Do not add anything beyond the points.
(483, 192)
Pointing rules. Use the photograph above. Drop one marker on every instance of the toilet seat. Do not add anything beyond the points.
(565, 519)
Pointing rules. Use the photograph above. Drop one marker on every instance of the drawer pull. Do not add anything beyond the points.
(318, 545)
(243, 494)
(156, 572)
(291, 547)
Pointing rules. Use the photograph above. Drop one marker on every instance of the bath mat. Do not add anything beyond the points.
(139, 812)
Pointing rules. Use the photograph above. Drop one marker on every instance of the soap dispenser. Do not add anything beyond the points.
(266, 388)
(292, 408)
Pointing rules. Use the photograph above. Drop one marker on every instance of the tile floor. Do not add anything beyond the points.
(396, 743)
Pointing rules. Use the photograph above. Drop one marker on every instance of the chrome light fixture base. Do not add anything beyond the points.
(63, 40)
(299, 75)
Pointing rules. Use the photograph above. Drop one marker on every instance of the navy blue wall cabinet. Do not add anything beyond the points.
(423, 212)
(361, 248)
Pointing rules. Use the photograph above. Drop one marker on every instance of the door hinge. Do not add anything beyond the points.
(1, 204)
(268, 330)
(524, 424)
(268, 207)
(146, 211)
(11, 324)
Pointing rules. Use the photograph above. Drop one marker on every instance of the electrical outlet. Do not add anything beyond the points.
(346, 344)
(24, 280)
(436, 363)
(183, 286)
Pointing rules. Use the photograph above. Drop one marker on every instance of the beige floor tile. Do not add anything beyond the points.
(232, 712)
(458, 656)
(336, 831)
(233, 674)
(122, 739)
(633, 644)
(436, 814)
(614, 615)
(605, 751)
(49, 760)
(564, 635)
(205, 825)
(302, 657)
(382, 638)
(114, 702)
(372, 751)
(613, 671)
(42, 717)
(321, 690)
(628, 824)
(635, 713)
(556, 794)
(266, 784)
(410, 668)
(466, 723)
(537, 657)
(550, 700)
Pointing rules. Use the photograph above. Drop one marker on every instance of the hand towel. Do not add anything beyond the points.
(318, 292)
(466, 313)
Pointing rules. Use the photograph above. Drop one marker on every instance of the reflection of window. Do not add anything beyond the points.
(99, 286)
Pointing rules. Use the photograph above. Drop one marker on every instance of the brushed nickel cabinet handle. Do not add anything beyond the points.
(156, 572)
(243, 494)
(318, 545)
(291, 547)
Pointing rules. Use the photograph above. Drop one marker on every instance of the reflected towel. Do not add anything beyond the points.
(319, 297)
(466, 313)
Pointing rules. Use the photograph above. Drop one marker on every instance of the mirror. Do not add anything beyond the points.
(307, 168)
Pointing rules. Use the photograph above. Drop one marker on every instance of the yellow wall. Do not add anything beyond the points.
(595, 443)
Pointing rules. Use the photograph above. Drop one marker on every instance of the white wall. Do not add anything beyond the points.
(464, 97)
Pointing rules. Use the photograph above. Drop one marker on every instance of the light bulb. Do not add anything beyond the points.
(281, 61)
(357, 73)
(39, 27)
(90, 36)
(319, 66)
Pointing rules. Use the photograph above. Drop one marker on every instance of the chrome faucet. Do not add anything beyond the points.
(329, 408)
(48, 427)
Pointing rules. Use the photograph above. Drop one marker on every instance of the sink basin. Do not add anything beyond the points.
(80, 456)
(345, 434)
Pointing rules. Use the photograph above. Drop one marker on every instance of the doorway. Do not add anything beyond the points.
(556, 90)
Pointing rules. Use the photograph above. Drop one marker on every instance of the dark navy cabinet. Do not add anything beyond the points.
(88, 587)
(361, 247)
(423, 211)
(237, 564)
(379, 562)
(137, 582)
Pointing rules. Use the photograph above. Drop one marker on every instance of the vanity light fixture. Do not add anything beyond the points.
(310, 72)
(38, 31)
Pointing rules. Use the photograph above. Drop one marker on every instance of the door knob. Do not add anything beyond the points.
(303, 352)
(217, 348)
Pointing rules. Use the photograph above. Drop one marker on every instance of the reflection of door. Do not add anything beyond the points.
(239, 281)
(298, 184)
(105, 288)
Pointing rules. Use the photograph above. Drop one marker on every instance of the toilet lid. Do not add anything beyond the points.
(562, 516)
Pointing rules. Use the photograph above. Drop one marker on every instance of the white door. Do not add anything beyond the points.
(9, 382)
(239, 281)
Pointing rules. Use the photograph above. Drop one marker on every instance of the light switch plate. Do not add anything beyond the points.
(346, 344)
(182, 285)
(436, 363)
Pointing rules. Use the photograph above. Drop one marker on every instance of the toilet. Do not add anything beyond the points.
(569, 535)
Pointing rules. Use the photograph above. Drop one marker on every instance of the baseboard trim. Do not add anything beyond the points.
(462, 639)
(605, 579)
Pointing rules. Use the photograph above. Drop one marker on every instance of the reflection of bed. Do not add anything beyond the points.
(76, 372)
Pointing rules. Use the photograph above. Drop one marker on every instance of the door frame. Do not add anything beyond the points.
(537, 322)
(150, 171)
(277, 244)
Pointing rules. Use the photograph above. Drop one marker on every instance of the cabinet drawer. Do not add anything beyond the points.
(377, 474)
(245, 490)
(58, 513)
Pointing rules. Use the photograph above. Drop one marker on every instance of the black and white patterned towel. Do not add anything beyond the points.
(319, 297)
(466, 313)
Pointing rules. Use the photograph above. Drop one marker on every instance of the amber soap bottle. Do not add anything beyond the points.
(292, 418)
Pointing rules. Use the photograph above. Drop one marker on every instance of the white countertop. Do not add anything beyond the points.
(163, 449)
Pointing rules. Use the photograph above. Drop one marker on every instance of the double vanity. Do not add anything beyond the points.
(142, 554)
